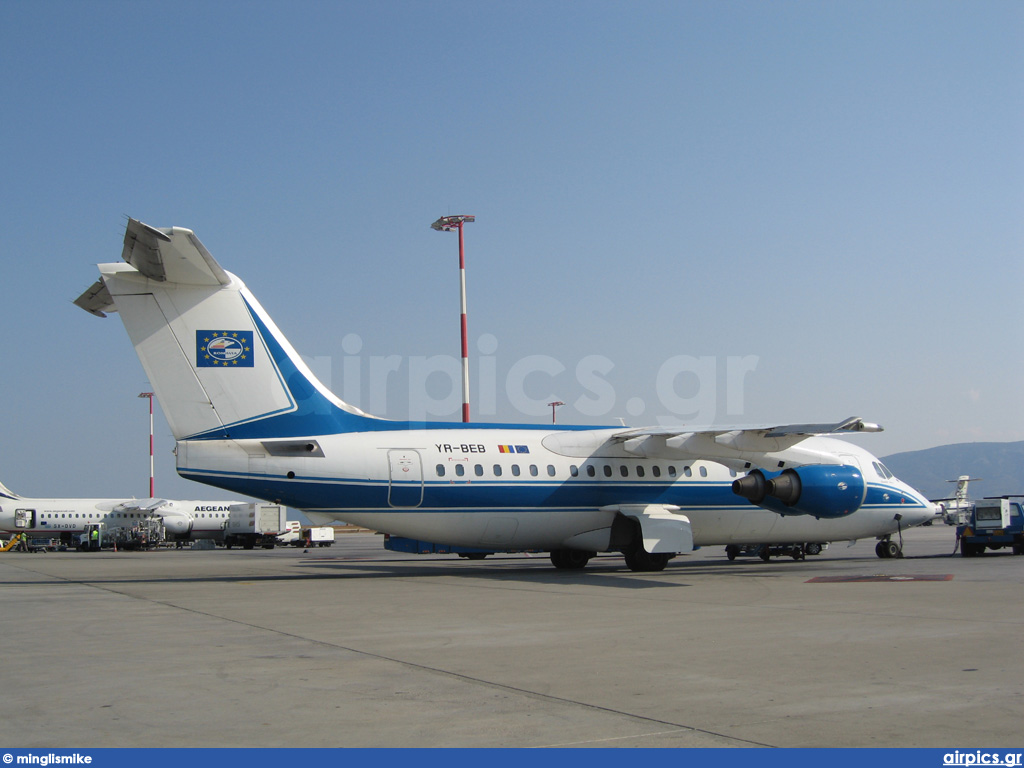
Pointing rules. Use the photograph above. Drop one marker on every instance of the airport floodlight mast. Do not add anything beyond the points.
(149, 396)
(447, 224)
(554, 405)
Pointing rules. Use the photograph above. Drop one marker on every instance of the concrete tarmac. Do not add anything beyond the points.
(354, 646)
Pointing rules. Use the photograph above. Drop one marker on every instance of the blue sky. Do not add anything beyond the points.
(687, 212)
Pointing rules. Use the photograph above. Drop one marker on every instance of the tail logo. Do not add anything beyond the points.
(224, 349)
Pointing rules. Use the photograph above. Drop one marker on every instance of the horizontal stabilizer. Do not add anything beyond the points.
(96, 300)
(172, 255)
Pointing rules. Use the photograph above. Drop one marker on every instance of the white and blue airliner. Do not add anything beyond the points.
(250, 417)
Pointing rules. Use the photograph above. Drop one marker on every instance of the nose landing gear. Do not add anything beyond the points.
(886, 548)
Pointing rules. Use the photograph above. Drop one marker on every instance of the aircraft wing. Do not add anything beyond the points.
(732, 446)
(140, 505)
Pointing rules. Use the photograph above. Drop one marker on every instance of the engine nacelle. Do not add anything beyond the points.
(821, 490)
(177, 523)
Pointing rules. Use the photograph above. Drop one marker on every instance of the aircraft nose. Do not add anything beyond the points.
(922, 514)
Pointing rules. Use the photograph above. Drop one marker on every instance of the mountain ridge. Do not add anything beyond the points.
(999, 467)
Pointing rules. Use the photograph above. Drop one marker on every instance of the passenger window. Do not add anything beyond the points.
(639, 470)
(624, 470)
(533, 470)
(497, 470)
(478, 470)
(687, 472)
(551, 470)
(460, 469)
(656, 470)
(671, 470)
(591, 470)
(703, 471)
(440, 470)
(574, 470)
(607, 471)
(515, 470)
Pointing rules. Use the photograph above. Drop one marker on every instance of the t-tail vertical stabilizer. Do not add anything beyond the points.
(218, 364)
(6, 493)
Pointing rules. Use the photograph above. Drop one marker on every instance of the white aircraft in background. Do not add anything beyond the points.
(66, 519)
(249, 416)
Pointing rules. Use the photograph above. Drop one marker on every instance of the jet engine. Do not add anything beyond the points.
(821, 490)
(176, 523)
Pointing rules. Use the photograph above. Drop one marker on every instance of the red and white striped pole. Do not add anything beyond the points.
(447, 224)
(149, 395)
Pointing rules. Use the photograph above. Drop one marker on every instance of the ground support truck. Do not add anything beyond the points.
(252, 525)
(992, 523)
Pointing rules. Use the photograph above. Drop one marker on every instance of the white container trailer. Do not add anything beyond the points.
(251, 525)
(322, 536)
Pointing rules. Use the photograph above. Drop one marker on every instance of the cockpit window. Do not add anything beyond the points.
(881, 470)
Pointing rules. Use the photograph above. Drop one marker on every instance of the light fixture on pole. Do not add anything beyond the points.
(447, 224)
(554, 405)
(149, 396)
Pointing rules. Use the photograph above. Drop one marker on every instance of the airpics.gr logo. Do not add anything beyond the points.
(224, 349)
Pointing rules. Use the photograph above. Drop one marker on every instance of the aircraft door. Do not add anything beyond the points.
(25, 519)
(405, 488)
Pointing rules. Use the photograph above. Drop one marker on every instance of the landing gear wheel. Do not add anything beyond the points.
(473, 555)
(812, 549)
(888, 549)
(570, 559)
(642, 561)
(764, 553)
(731, 551)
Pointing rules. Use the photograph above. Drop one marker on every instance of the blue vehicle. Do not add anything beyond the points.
(993, 523)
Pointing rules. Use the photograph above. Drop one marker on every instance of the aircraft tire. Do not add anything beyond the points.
(888, 550)
(731, 551)
(812, 549)
(644, 562)
(570, 559)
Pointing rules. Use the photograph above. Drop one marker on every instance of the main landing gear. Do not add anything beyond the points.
(570, 559)
(643, 561)
(886, 548)
(636, 559)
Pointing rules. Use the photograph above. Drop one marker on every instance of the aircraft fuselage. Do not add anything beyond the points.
(503, 487)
